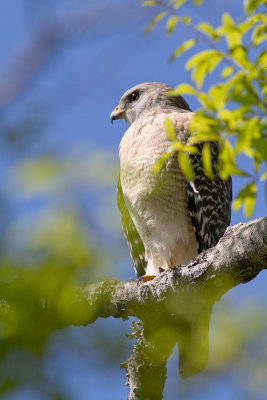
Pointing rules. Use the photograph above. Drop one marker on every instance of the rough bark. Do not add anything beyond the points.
(168, 304)
(238, 257)
(146, 367)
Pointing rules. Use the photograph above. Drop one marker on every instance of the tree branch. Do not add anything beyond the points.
(146, 367)
(175, 306)
(238, 257)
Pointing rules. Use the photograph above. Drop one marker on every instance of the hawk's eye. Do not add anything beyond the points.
(134, 96)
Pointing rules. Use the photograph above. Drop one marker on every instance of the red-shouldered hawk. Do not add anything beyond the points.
(166, 219)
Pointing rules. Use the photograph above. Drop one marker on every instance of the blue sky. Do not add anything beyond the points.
(74, 92)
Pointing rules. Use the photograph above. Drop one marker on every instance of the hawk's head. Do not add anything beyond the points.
(145, 97)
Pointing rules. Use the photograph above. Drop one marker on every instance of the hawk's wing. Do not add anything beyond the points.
(210, 209)
(134, 241)
(209, 201)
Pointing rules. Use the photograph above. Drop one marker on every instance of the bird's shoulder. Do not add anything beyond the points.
(150, 126)
(157, 116)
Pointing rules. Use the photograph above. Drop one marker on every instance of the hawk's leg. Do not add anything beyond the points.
(167, 267)
(146, 278)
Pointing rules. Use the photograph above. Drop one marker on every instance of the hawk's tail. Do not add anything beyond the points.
(194, 344)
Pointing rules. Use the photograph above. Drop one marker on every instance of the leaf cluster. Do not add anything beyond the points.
(233, 111)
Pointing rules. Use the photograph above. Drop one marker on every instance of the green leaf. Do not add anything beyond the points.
(259, 35)
(188, 44)
(246, 25)
(200, 57)
(204, 137)
(228, 118)
(178, 3)
(227, 20)
(261, 17)
(159, 164)
(148, 3)
(240, 56)
(186, 19)
(218, 94)
(202, 64)
(261, 147)
(206, 160)
(206, 101)
(183, 88)
(227, 71)
(178, 146)
(191, 149)
(230, 31)
(205, 125)
(263, 176)
(169, 128)
(185, 165)
(247, 197)
(171, 24)
(250, 5)
(241, 90)
(198, 2)
(261, 60)
(251, 130)
(226, 164)
(154, 21)
(208, 30)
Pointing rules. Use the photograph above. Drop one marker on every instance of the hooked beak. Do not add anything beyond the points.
(117, 113)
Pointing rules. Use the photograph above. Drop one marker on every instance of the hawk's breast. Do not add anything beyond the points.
(157, 202)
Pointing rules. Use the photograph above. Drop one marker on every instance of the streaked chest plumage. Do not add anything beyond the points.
(157, 202)
(141, 146)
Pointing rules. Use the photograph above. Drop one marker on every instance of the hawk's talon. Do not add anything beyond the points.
(146, 278)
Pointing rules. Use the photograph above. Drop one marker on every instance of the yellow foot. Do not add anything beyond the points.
(167, 267)
(146, 278)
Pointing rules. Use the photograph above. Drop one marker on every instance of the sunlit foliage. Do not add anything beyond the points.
(236, 106)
